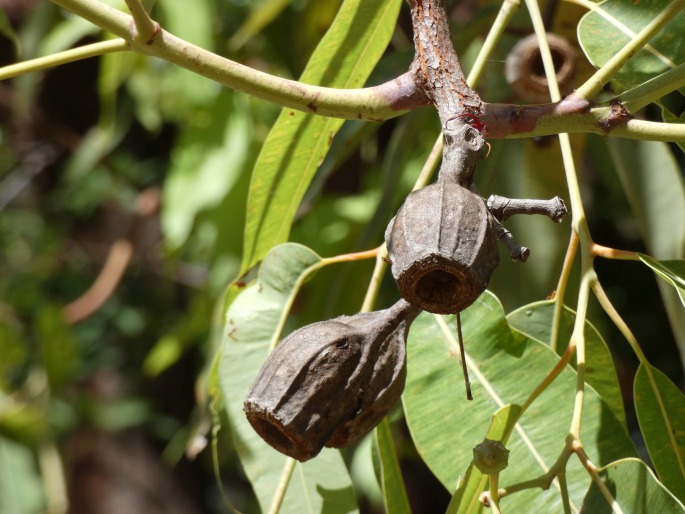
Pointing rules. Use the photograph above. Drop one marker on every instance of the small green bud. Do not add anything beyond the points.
(490, 457)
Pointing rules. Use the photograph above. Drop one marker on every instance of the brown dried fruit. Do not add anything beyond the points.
(525, 71)
(331, 382)
(443, 247)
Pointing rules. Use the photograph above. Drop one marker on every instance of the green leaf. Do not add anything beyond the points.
(205, 164)
(394, 494)
(535, 321)
(65, 35)
(655, 190)
(466, 497)
(672, 272)
(298, 142)
(635, 489)
(252, 322)
(61, 356)
(21, 490)
(611, 25)
(505, 368)
(660, 408)
(261, 14)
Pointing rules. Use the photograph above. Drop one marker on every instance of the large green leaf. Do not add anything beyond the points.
(535, 321)
(505, 367)
(660, 408)
(394, 493)
(298, 142)
(611, 25)
(252, 323)
(634, 488)
(655, 190)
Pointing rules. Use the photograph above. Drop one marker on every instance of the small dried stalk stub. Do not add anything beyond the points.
(503, 208)
(331, 382)
(443, 247)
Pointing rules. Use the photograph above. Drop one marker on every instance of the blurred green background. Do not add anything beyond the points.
(101, 410)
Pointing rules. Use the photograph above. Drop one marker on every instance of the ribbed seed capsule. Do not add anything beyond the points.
(443, 247)
(331, 382)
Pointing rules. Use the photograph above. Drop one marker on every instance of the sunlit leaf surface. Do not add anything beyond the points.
(505, 366)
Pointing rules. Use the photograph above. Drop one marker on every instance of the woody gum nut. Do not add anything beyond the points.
(331, 382)
(525, 72)
(490, 457)
(443, 248)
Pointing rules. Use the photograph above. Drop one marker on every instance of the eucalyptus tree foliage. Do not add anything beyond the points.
(292, 203)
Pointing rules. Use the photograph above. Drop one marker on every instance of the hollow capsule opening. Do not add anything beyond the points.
(274, 434)
(441, 291)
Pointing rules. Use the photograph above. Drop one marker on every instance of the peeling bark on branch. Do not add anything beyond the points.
(436, 67)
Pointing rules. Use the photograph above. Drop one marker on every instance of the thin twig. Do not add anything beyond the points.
(571, 115)
(504, 16)
(594, 474)
(53, 477)
(376, 279)
(565, 499)
(613, 314)
(374, 103)
(65, 57)
(462, 357)
(349, 257)
(279, 493)
(118, 259)
(545, 480)
(494, 493)
(578, 339)
(561, 289)
(550, 377)
(612, 253)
